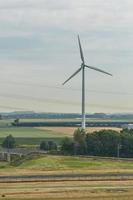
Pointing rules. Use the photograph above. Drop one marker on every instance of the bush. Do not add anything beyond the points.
(9, 142)
(44, 146)
(67, 146)
(52, 145)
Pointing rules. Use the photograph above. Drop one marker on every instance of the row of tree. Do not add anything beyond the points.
(10, 143)
(100, 143)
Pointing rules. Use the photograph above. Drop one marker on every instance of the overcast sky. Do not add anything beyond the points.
(39, 51)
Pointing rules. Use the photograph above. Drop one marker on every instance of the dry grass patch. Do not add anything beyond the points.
(70, 130)
(68, 190)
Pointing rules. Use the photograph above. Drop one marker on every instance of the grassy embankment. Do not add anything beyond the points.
(66, 164)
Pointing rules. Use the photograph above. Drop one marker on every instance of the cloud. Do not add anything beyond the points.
(76, 15)
(40, 36)
(33, 4)
(103, 24)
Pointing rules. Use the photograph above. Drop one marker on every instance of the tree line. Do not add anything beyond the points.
(9, 142)
(99, 143)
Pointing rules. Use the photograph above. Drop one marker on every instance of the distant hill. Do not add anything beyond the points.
(34, 115)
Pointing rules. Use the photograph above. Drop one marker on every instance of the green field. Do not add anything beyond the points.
(29, 135)
(33, 136)
(78, 120)
(76, 163)
(7, 122)
(70, 163)
(28, 132)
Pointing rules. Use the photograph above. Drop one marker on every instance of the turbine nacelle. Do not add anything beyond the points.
(83, 65)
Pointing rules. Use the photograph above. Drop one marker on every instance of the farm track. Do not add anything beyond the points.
(67, 177)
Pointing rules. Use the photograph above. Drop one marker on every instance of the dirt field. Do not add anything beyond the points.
(113, 190)
(70, 130)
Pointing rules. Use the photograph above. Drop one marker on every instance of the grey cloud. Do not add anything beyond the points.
(33, 4)
(69, 15)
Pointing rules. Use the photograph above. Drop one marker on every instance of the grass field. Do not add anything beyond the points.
(28, 132)
(75, 163)
(65, 164)
(63, 190)
(30, 136)
(5, 123)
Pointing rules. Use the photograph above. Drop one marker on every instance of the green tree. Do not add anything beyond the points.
(52, 145)
(93, 143)
(79, 135)
(9, 142)
(80, 146)
(15, 122)
(103, 143)
(67, 146)
(127, 144)
(44, 146)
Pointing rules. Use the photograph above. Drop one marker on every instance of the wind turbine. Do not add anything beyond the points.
(82, 68)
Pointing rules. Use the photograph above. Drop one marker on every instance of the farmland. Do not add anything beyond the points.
(70, 130)
(30, 135)
(34, 135)
(68, 188)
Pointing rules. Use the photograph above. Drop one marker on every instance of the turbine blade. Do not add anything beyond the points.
(72, 75)
(81, 51)
(99, 70)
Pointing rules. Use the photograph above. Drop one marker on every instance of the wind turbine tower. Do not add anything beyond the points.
(82, 68)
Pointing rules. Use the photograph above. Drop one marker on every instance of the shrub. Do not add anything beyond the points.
(9, 142)
(67, 146)
(52, 145)
(44, 146)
